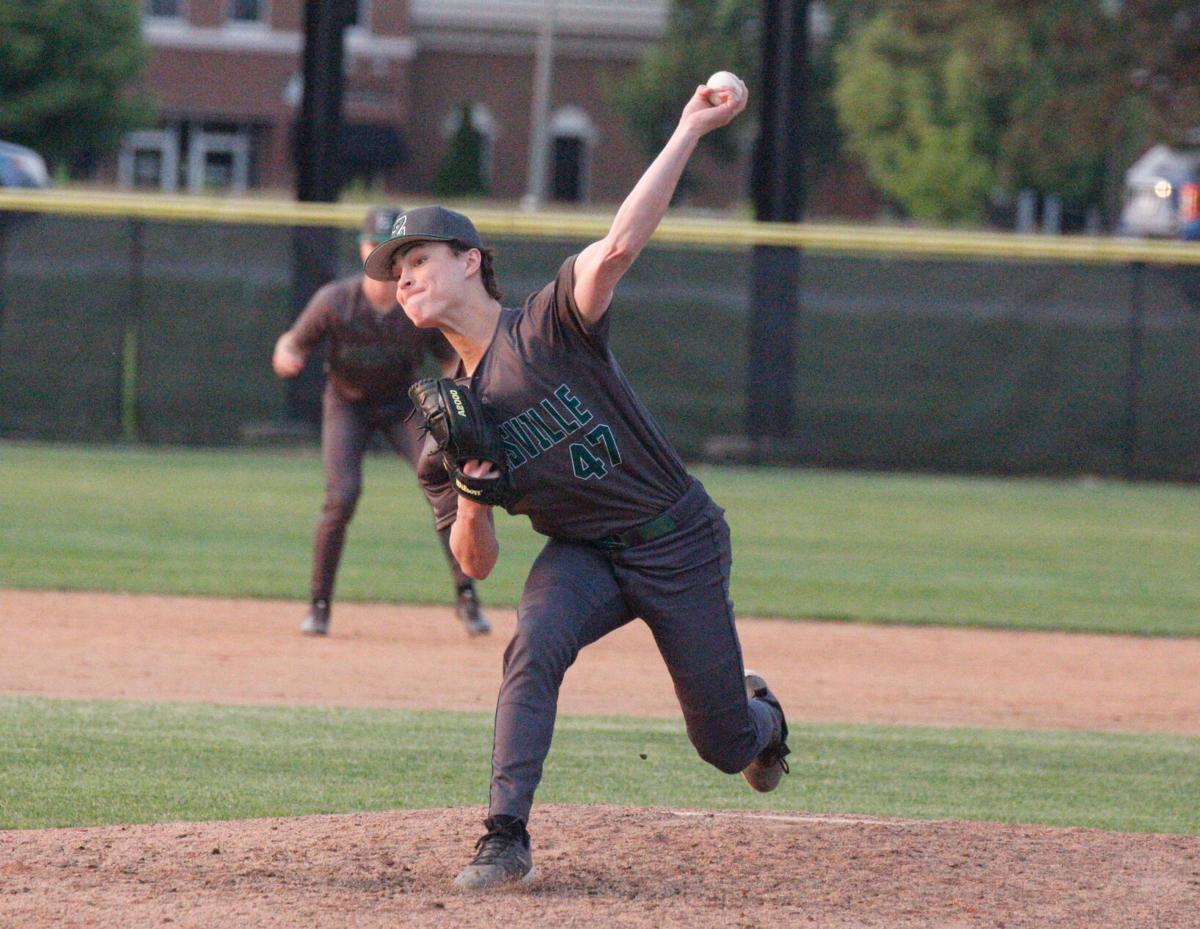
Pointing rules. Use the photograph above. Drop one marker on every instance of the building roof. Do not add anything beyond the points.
(589, 28)
(644, 18)
(1161, 162)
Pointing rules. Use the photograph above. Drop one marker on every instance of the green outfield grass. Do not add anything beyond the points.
(67, 763)
(1033, 554)
(1038, 554)
(892, 548)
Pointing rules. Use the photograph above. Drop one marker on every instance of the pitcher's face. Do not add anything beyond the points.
(431, 279)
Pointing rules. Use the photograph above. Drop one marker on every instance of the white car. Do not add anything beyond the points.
(22, 167)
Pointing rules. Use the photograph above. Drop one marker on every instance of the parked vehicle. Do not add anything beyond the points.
(1189, 211)
(1162, 194)
(22, 167)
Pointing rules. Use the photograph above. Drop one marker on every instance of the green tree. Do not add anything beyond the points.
(920, 91)
(1071, 118)
(1161, 64)
(69, 76)
(461, 171)
(952, 102)
(702, 37)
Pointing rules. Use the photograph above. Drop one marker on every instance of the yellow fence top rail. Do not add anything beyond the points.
(714, 232)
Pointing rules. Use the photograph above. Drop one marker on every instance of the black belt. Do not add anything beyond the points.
(678, 513)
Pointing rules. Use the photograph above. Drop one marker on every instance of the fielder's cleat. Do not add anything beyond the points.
(502, 857)
(469, 614)
(769, 766)
(316, 621)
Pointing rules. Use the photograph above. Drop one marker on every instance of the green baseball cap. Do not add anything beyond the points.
(377, 224)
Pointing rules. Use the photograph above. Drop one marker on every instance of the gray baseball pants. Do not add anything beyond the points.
(346, 429)
(575, 594)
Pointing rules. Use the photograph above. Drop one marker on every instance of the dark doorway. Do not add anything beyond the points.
(568, 168)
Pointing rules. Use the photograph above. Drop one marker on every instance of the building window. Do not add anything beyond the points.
(149, 159)
(163, 9)
(148, 169)
(212, 157)
(218, 158)
(360, 17)
(568, 153)
(247, 11)
(572, 135)
(484, 123)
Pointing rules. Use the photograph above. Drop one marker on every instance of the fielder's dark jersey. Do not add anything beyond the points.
(585, 457)
(373, 356)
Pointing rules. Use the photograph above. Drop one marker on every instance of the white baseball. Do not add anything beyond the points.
(725, 80)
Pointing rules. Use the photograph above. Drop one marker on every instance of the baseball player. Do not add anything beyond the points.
(631, 533)
(374, 352)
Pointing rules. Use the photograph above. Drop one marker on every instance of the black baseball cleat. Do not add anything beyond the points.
(769, 766)
(316, 621)
(469, 613)
(502, 857)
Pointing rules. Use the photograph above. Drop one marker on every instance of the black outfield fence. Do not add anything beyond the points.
(153, 321)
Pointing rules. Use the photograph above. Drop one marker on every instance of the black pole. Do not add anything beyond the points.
(131, 333)
(5, 219)
(779, 195)
(1133, 369)
(777, 181)
(318, 179)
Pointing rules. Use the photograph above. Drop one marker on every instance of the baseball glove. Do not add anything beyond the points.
(462, 430)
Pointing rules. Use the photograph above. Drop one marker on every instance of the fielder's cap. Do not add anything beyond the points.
(424, 224)
(377, 224)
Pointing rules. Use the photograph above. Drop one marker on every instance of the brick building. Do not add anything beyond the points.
(227, 78)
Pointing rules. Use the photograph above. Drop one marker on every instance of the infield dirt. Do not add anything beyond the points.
(598, 866)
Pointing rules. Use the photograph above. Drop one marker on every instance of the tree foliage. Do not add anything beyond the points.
(702, 36)
(1070, 119)
(1161, 46)
(951, 102)
(461, 171)
(69, 76)
(921, 93)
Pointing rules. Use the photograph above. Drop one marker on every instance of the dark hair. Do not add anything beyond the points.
(487, 270)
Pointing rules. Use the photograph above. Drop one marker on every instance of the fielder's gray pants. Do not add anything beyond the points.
(346, 429)
(576, 593)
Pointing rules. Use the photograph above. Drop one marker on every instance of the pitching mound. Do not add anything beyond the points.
(599, 866)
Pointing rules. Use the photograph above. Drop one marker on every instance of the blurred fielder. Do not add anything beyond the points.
(374, 354)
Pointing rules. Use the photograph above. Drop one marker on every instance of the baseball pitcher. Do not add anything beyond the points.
(630, 534)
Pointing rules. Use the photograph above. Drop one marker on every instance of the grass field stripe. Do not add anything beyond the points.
(1097, 556)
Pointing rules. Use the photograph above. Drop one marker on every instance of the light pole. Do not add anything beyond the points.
(543, 68)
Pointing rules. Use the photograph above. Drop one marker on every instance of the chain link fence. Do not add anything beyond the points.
(137, 328)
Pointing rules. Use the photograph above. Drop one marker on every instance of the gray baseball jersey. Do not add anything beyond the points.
(373, 356)
(587, 461)
(585, 457)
